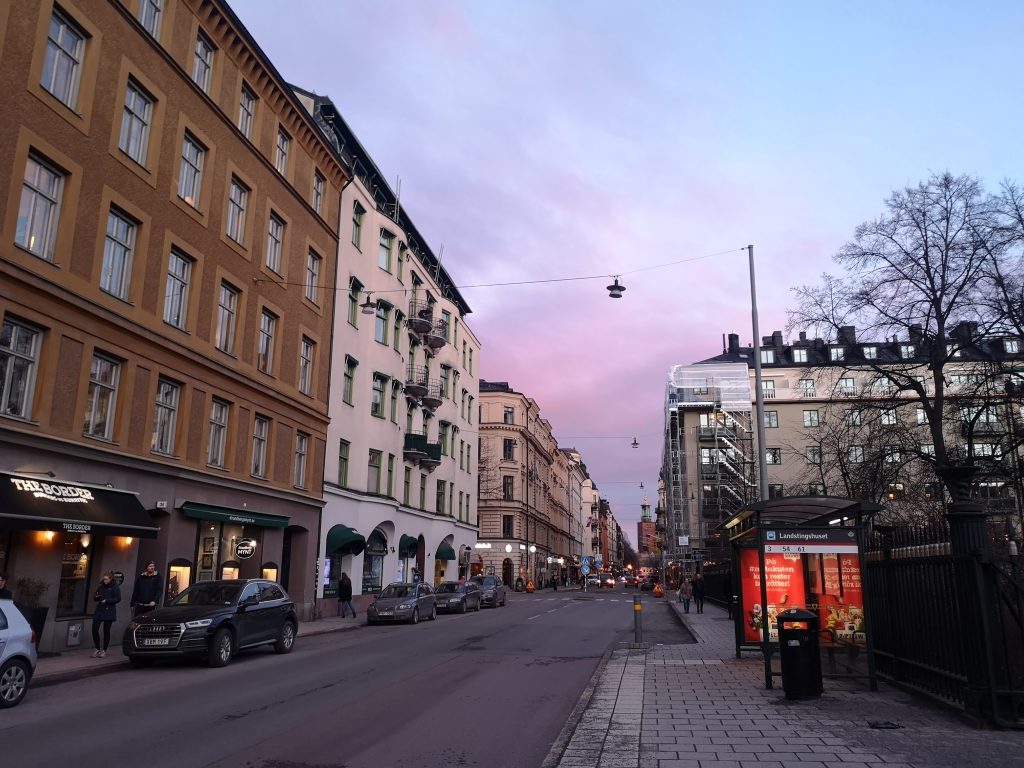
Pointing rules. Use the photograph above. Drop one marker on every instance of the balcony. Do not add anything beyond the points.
(417, 383)
(437, 336)
(433, 397)
(415, 446)
(432, 460)
(714, 432)
(421, 317)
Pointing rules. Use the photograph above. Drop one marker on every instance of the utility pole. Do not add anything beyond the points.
(762, 459)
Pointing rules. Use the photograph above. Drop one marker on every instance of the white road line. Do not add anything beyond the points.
(534, 617)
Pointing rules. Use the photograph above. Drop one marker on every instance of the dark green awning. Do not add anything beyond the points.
(407, 546)
(342, 540)
(230, 515)
(445, 552)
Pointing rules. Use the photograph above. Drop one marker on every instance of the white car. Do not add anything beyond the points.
(17, 654)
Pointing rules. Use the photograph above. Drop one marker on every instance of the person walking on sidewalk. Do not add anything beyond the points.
(146, 594)
(5, 593)
(345, 595)
(107, 596)
(685, 594)
(698, 592)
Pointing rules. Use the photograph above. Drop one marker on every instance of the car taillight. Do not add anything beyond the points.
(34, 640)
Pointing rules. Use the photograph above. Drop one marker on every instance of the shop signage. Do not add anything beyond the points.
(482, 545)
(245, 548)
(76, 527)
(53, 491)
(810, 541)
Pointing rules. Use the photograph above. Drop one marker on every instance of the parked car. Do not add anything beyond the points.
(453, 597)
(214, 620)
(492, 590)
(402, 601)
(17, 654)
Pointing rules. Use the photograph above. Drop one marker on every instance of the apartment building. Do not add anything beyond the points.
(401, 474)
(528, 490)
(167, 258)
(846, 418)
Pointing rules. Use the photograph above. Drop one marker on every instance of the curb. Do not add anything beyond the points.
(686, 622)
(561, 743)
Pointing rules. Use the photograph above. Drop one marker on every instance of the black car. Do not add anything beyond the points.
(453, 597)
(213, 620)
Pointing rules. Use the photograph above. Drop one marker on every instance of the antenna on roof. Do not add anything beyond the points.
(724, 347)
(437, 269)
(398, 196)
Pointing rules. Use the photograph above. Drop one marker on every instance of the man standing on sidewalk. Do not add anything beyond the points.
(146, 594)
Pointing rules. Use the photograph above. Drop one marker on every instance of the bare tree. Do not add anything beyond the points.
(488, 477)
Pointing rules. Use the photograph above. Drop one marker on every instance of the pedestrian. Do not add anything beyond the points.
(345, 595)
(698, 592)
(146, 593)
(107, 596)
(5, 593)
(685, 594)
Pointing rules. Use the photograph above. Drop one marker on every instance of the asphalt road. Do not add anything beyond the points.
(491, 689)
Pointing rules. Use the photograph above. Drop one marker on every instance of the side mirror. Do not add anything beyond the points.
(250, 601)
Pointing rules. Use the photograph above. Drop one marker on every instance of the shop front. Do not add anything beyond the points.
(57, 538)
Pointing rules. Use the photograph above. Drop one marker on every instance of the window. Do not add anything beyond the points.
(202, 65)
(815, 489)
(238, 199)
(439, 498)
(135, 121)
(835, 354)
(855, 455)
(469, 411)
(377, 397)
(373, 472)
(927, 449)
(799, 355)
(265, 350)
(767, 356)
(922, 418)
(507, 531)
(190, 173)
(891, 454)
(357, 224)
(380, 327)
(227, 313)
(246, 111)
(954, 351)
(442, 437)
(469, 369)
(768, 389)
(318, 192)
(771, 419)
(39, 209)
(509, 415)
(101, 405)
(391, 475)
(62, 67)
(165, 420)
(870, 352)
(423, 491)
(406, 486)
(313, 277)
(463, 355)
(813, 454)
(343, 446)
(811, 418)
(1011, 346)
(508, 449)
(118, 250)
(775, 491)
(985, 449)
(506, 487)
(150, 12)
(394, 402)
(846, 387)
(446, 324)
(275, 242)
(307, 348)
(933, 491)
(396, 331)
(260, 436)
(906, 350)
(384, 250)
(299, 466)
(284, 145)
(773, 455)
(179, 274)
(446, 376)
(216, 450)
(348, 383)
(888, 417)
(806, 387)
(896, 491)
(853, 417)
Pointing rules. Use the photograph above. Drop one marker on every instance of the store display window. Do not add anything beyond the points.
(270, 571)
(75, 570)
(373, 562)
(229, 551)
(179, 577)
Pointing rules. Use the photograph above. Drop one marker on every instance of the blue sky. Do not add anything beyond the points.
(565, 138)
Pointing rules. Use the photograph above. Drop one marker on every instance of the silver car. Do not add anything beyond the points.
(403, 602)
(453, 597)
(492, 590)
(17, 654)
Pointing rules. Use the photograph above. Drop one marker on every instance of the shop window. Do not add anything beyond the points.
(75, 572)
(179, 578)
(229, 569)
(373, 562)
(270, 571)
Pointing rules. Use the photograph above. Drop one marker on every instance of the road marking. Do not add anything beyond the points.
(534, 617)
(553, 610)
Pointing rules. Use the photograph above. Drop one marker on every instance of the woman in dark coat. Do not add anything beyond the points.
(107, 596)
(345, 595)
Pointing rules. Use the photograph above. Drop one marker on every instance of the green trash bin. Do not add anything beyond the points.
(799, 653)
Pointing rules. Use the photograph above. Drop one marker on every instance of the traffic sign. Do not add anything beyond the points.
(584, 569)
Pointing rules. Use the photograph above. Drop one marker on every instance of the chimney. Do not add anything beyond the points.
(777, 340)
(803, 335)
(916, 334)
(734, 342)
(847, 335)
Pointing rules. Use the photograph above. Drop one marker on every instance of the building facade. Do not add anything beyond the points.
(400, 481)
(166, 296)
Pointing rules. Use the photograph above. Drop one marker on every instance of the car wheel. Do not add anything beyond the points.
(462, 607)
(286, 641)
(503, 595)
(140, 661)
(415, 618)
(221, 649)
(14, 677)
(433, 612)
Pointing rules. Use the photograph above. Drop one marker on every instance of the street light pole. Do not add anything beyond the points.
(762, 459)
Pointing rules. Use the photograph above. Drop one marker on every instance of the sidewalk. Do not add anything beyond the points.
(698, 706)
(75, 665)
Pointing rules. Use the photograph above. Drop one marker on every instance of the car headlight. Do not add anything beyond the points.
(198, 623)
(405, 606)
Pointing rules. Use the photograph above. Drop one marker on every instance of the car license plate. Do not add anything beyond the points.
(156, 641)
(385, 613)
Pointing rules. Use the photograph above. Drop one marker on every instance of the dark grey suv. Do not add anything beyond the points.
(492, 590)
(213, 620)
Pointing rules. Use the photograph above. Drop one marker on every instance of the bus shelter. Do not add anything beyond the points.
(803, 552)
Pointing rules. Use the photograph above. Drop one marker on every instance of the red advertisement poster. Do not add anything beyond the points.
(841, 608)
(784, 581)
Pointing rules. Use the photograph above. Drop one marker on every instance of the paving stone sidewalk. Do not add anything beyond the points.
(697, 706)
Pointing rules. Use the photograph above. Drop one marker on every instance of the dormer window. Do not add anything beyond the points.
(1011, 346)
(799, 355)
(953, 351)
(836, 354)
(870, 353)
(767, 356)
(906, 351)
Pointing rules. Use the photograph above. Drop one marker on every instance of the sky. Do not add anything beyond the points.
(561, 139)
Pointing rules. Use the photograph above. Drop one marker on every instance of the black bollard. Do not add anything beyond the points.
(638, 621)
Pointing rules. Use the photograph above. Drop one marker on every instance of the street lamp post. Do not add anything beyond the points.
(762, 459)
